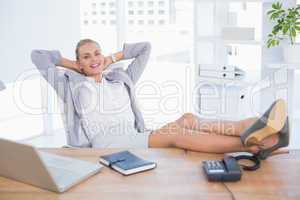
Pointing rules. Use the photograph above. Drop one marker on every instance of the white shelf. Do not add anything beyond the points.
(245, 42)
(226, 1)
(212, 42)
(284, 65)
(219, 39)
(208, 38)
(235, 82)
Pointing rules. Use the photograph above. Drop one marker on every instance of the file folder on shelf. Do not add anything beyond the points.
(221, 72)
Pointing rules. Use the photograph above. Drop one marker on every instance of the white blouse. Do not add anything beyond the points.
(108, 116)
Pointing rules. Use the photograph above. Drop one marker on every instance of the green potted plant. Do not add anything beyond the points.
(286, 27)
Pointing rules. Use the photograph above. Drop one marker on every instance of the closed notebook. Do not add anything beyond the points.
(126, 163)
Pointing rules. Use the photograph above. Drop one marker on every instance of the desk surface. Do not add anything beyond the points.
(177, 176)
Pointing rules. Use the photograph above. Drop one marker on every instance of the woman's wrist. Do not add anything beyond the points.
(66, 63)
(115, 57)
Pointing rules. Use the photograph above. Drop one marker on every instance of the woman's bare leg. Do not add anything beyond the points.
(220, 127)
(172, 135)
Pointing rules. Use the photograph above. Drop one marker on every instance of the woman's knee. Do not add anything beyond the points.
(187, 119)
(166, 136)
(189, 116)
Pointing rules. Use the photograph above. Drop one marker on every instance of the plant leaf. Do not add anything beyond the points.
(270, 12)
(276, 5)
(293, 32)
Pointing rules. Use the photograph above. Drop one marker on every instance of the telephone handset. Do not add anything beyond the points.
(227, 169)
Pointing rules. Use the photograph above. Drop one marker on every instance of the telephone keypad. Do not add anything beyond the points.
(222, 170)
(215, 166)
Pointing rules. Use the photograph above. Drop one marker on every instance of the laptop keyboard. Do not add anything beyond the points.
(62, 176)
(66, 170)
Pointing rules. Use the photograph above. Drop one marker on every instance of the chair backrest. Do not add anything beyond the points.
(60, 98)
(2, 86)
(63, 106)
(72, 126)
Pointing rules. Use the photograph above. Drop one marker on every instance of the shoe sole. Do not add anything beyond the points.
(284, 137)
(275, 122)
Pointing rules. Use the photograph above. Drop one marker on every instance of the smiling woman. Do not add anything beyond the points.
(90, 60)
(102, 109)
(92, 66)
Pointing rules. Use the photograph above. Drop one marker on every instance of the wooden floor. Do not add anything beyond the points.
(178, 176)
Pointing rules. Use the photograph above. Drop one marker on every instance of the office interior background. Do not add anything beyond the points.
(185, 37)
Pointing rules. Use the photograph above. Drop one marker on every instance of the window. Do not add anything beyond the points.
(153, 21)
(130, 4)
(141, 22)
(150, 12)
(162, 24)
(150, 3)
(112, 22)
(111, 4)
(140, 3)
(102, 24)
(161, 3)
(161, 12)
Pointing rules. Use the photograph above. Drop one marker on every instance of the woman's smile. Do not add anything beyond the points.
(94, 66)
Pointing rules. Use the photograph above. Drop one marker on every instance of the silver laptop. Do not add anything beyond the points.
(24, 163)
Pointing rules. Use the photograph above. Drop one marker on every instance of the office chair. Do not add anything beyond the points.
(2, 86)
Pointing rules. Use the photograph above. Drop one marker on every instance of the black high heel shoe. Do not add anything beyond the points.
(273, 121)
(283, 141)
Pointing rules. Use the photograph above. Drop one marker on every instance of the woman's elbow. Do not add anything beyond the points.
(148, 45)
(35, 54)
(39, 58)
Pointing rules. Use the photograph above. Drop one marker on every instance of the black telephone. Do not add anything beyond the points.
(227, 169)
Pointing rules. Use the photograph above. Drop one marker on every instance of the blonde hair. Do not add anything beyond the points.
(83, 42)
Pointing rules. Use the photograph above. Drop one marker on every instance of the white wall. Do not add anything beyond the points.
(27, 25)
(31, 24)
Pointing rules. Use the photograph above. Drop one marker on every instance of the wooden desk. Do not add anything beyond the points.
(178, 176)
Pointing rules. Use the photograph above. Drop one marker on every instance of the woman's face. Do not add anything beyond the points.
(90, 61)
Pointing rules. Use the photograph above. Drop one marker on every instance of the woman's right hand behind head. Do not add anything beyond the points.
(70, 64)
(77, 67)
